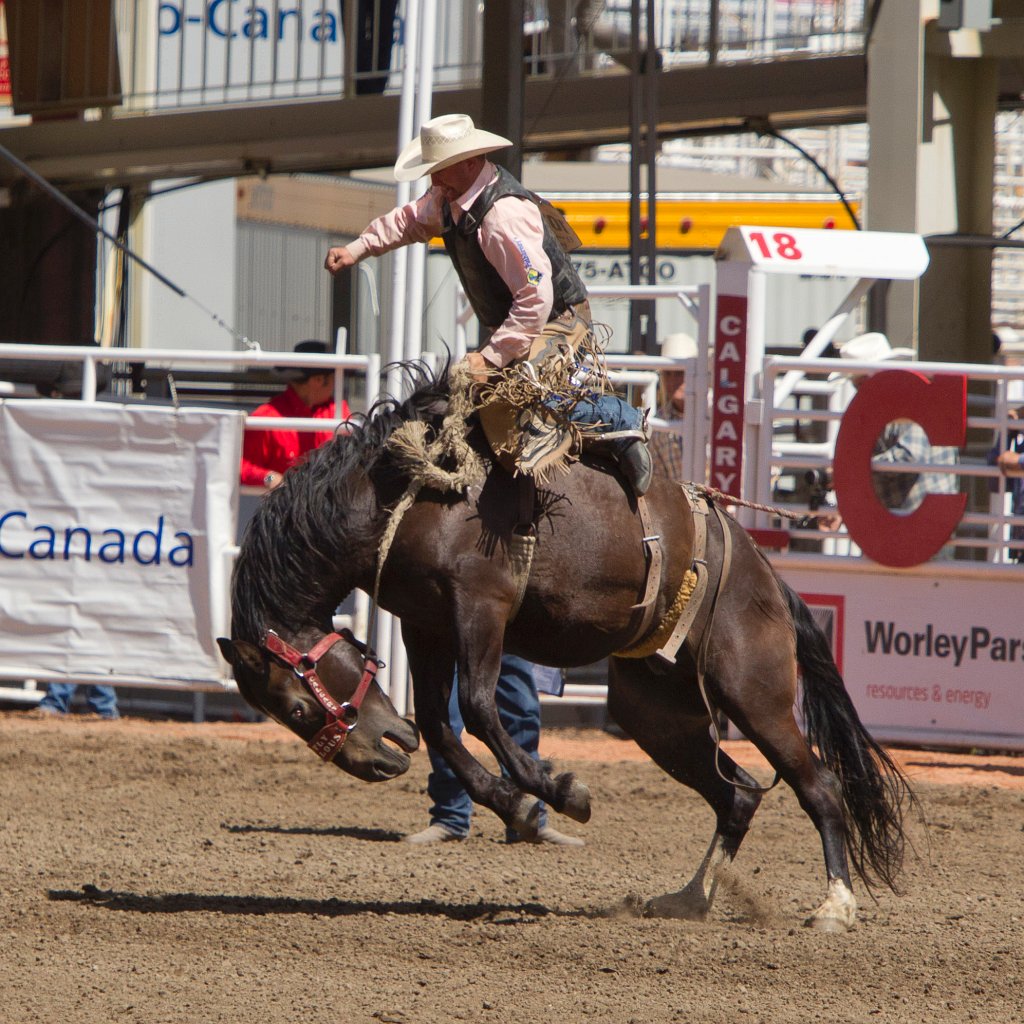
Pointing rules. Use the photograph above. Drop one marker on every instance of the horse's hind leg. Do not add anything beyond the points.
(771, 726)
(817, 790)
(668, 719)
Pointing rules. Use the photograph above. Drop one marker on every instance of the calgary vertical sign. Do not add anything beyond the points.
(5, 61)
(729, 379)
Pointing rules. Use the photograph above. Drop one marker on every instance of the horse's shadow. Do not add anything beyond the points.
(369, 835)
(190, 902)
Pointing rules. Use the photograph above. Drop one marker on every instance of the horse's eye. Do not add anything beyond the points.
(298, 714)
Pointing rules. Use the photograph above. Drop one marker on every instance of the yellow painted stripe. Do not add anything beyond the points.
(697, 224)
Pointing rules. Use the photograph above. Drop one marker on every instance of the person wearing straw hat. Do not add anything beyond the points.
(510, 253)
(667, 445)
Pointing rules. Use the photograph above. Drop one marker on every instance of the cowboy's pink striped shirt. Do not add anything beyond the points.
(511, 237)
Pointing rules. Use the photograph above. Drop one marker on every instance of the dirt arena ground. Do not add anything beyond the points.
(164, 872)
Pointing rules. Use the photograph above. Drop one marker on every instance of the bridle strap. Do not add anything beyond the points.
(341, 718)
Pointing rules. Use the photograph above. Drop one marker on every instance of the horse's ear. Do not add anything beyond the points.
(240, 651)
(227, 649)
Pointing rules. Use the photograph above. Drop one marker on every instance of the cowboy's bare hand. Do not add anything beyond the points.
(479, 367)
(338, 258)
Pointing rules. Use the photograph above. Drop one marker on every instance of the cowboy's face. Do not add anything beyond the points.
(455, 179)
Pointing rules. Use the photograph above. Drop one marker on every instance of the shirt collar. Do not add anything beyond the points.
(470, 196)
(290, 402)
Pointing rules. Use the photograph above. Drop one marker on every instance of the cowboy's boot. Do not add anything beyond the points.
(636, 465)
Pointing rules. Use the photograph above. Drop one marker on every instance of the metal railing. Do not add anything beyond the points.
(28, 690)
(984, 529)
(176, 54)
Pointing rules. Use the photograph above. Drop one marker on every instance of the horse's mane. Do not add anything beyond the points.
(295, 559)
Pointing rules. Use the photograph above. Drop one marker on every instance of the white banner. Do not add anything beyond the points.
(926, 659)
(219, 51)
(114, 525)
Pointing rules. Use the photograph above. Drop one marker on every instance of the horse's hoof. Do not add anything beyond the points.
(827, 924)
(577, 802)
(526, 818)
(681, 906)
(839, 911)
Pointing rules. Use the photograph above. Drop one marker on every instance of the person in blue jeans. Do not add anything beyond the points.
(101, 700)
(519, 711)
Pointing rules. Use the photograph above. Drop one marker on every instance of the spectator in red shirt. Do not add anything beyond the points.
(266, 454)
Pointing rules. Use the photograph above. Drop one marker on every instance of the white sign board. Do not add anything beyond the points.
(926, 659)
(889, 255)
(114, 529)
(219, 51)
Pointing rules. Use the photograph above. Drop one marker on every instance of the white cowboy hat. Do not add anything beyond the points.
(444, 141)
(870, 348)
(678, 346)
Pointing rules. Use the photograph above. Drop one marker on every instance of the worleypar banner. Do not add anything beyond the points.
(115, 525)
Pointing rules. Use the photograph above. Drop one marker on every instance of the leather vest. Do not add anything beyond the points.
(487, 292)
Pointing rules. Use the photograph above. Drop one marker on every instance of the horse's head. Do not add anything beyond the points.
(322, 687)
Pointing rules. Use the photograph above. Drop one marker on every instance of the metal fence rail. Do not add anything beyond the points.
(984, 528)
(26, 689)
(176, 54)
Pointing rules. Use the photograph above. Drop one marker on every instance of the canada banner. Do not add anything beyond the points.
(115, 527)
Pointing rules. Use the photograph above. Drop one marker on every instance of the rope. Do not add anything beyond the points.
(421, 460)
(730, 499)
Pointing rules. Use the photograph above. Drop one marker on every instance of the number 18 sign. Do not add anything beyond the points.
(875, 254)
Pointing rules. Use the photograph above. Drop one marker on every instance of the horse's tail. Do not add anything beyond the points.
(874, 791)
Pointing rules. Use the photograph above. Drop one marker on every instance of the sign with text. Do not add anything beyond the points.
(729, 387)
(927, 658)
(5, 61)
(114, 529)
(891, 255)
(217, 51)
(939, 405)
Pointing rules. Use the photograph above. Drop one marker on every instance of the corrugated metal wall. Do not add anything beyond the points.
(283, 294)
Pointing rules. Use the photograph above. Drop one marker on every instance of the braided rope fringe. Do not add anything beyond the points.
(421, 456)
(421, 459)
(647, 646)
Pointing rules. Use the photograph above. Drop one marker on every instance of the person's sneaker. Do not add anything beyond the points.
(433, 834)
(43, 712)
(547, 834)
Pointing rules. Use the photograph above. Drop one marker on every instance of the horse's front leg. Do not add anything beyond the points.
(433, 669)
(480, 665)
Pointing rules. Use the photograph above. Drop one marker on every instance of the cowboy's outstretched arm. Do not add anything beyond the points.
(415, 222)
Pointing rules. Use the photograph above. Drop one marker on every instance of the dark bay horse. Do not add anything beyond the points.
(447, 576)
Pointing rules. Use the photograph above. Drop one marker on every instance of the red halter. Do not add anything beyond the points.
(341, 718)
